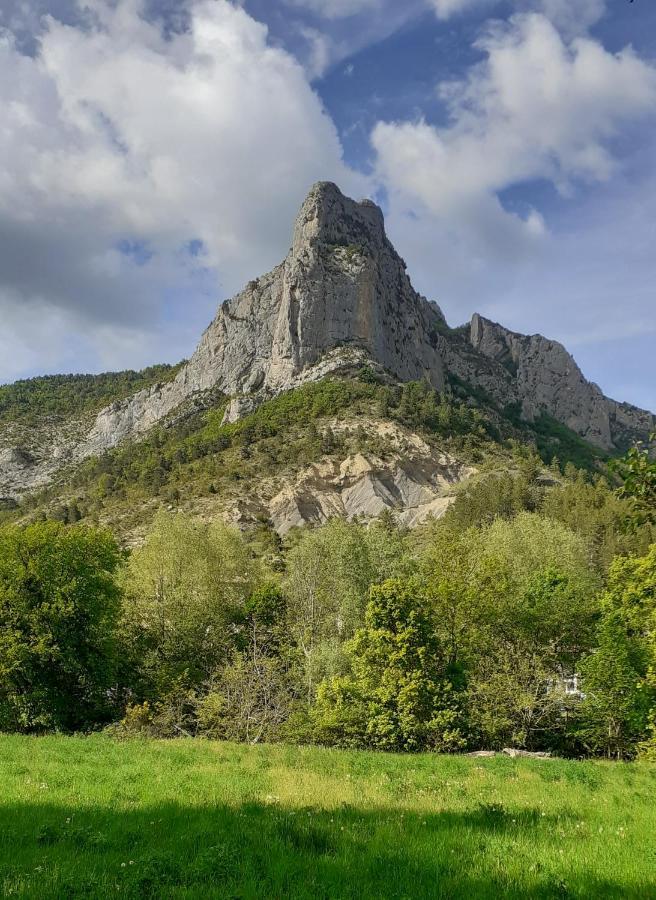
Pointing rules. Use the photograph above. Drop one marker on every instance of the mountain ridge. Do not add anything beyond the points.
(339, 301)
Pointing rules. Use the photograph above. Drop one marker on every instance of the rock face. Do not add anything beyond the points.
(546, 379)
(414, 482)
(628, 423)
(341, 288)
(405, 476)
(341, 299)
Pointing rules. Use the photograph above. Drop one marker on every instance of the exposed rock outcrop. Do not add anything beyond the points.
(31, 456)
(342, 288)
(628, 423)
(340, 299)
(545, 378)
(405, 475)
(414, 484)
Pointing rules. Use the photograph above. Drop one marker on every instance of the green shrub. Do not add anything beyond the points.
(397, 696)
(59, 605)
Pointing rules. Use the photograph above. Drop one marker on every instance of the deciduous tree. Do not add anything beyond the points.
(59, 604)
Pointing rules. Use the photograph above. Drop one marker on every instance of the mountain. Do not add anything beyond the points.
(341, 303)
(547, 379)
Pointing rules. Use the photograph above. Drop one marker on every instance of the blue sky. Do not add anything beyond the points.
(154, 154)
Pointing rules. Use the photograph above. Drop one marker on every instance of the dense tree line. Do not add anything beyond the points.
(29, 400)
(525, 617)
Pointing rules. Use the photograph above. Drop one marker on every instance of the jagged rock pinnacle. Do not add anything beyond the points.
(339, 300)
(342, 297)
(328, 217)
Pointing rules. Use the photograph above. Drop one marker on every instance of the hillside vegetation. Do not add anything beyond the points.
(89, 817)
(201, 465)
(459, 635)
(524, 618)
(67, 396)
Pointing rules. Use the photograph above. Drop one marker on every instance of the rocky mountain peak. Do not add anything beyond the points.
(547, 379)
(342, 299)
(330, 218)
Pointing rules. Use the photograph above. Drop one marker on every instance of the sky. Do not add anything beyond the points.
(154, 153)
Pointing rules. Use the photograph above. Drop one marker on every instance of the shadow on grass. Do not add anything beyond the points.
(263, 850)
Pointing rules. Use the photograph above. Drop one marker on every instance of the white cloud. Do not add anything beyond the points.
(536, 108)
(114, 133)
(334, 32)
(321, 51)
(591, 286)
(336, 9)
(569, 16)
(447, 8)
(588, 283)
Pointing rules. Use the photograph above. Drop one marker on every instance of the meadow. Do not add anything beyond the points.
(95, 817)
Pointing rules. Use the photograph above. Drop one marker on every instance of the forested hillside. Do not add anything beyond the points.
(60, 397)
(201, 464)
(524, 617)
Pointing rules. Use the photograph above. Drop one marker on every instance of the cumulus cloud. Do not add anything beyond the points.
(568, 16)
(536, 108)
(148, 168)
(447, 8)
(137, 165)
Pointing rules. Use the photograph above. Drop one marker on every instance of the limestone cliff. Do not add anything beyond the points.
(342, 285)
(341, 299)
(546, 379)
(342, 295)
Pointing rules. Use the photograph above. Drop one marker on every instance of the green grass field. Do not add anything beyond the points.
(89, 817)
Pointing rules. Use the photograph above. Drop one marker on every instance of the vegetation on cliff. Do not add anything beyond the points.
(61, 397)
